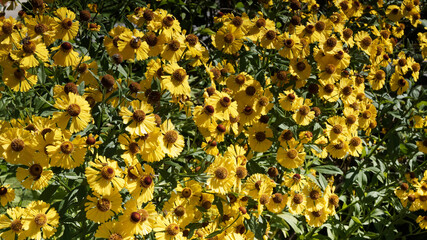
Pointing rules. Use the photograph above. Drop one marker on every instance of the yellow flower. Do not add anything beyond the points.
(205, 116)
(224, 106)
(65, 56)
(101, 208)
(316, 217)
(66, 28)
(113, 230)
(377, 78)
(67, 153)
(171, 141)
(17, 145)
(112, 43)
(288, 100)
(35, 176)
(422, 221)
(76, 109)
(7, 194)
(87, 70)
(294, 181)
(239, 82)
(228, 39)
(398, 83)
(141, 121)
(132, 45)
(176, 80)
(259, 184)
(93, 27)
(258, 138)
(42, 26)
(29, 51)
(174, 48)
(18, 79)
(180, 210)
(301, 68)
(222, 175)
(292, 156)
(140, 182)
(39, 218)
(364, 41)
(138, 220)
(422, 146)
(296, 202)
(167, 228)
(189, 190)
(277, 203)
(289, 46)
(338, 148)
(10, 31)
(355, 146)
(104, 176)
(303, 115)
(12, 220)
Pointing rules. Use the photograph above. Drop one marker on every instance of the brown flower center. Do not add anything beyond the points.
(314, 194)
(298, 198)
(40, 219)
(148, 15)
(73, 110)
(3, 191)
(134, 148)
(171, 136)
(241, 172)
(237, 21)
(264, 199)
(179, 75)
(17, 145)
(221, 128)
(103, 205)
(366, 42)
(192, 39)
(135, 43)
(309, 29)
(179, 211)
(402, 62)
(67, 147)
(347, 33)
(115, 236)
(351, 119)
(172, 229)
(270, 35)
(379, 75)
(107, 172)
(108, 81)
(135, 217)
(277, 198)
(209, 110)
(36, 170)
(260, 136)
(401, 82)
(221, 173)
(7, 28)
(260, 23)
(225, 101)
(29, 47)
(67, 23)
(70, 87)
(320, 26)
(228, 38)
(206, 205)
(289, 43)
(146, 181)
(339, 146)
(19, 74)
(355, 141)
(138, 115)
(330, 69)
(186, 192)
(16, 225)
(337, 129)
(304, 110)
(168, 21)
(300, 66)
(240, 79)
(317, 213)
(174, 45)
(292, 153)
(416, 67)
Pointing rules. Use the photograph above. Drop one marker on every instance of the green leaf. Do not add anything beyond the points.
(328, 169)
(292, 221)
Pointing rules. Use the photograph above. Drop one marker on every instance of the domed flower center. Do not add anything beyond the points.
(250, 90)
(416, 67)
(130, 174)
(301, 66)
(412, 198)
(379, 75)
(103, 205)
(260, 136)
(292, 153)
(339, 55)
(174, 45)
(270, 35)
(337, 129)
(108, 81)
(347, 91)
(40, 28)
(216, 73)
(134, 148)
(243, 210)
(304, 110)
(206, 205)
(240, 79)
(309, 29)
(264, 199)
(19, 74)
(7, 28)
(70, 87)
(339, 146)
(29, 47)
(67, 23)
(171, 136)
(296, 177)
(296, 20)
(179, 75)
(366, 42)
(192, 39)
(240, 229)
(179, 211)
(135, 217)
(82, 68)
(320, 26)
(3, 191)
(228, 38)
(16, 225)
(355, 141)
(231, 198)
(40, 220)
(107, 172)
(277, 198)
(314, 194)
(401, 82)
(221, 173)
(405, 186)
(17, 145)
(115, 236)
(186, 192)
(148, 15)
(36, 170)
(237, 21)
(260, 23)
(330, 69)
(351, 119)
(289, 43)
(168, 21)
(67, 147)
(213, 143)
(116, 40)
(366, 114)
(298, 198)
(146, 181)
(334, 200)
(221, 128)
(402, 62)
(73, 110)
(209, 110)
(331, 42)
(317, 213)
(138, 115)
(241, 172)
(248, 110)
(135, 43)
(291, 97)
(347, 33)
(172, 229)
(225, 101)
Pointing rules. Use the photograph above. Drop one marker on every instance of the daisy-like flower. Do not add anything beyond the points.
(40, 220)
(205, 116)
(180, 210)
(289, 45)
(151, 152)
(189, 190)
(259, 135)
(301, 68)
(171, 141)
(65, 56)
(174, 48)
(259, 184)
(294, 181)
(140, 182)
(176, 80)
(87, 69)
(222, 175)
(156, 44)
(277, 203)
(101, 208)
(239, 82)
(113, 230)
(132, 45)
(228, 39)
(31, 52)
(296, 202)
(288, 100)
(167, 228)
(35, 175)
(398, 83)
(363, 41)
(141, 121)
(377, 78)
(18, 79)
(66, 28)
(138, 220)
(316, 216)
(76, 109)
(7, 194)
(12, 220)
(338, 148)
(111, 42)
(314, 196)
(336, 127)
(42, 26)
(292, 156)
(17, 145)
(10, 32)
(104, 176)
(303, 115)
(332, 200)
(355, 146)
(67, 153)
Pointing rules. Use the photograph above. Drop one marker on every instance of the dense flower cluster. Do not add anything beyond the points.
(312, 101)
